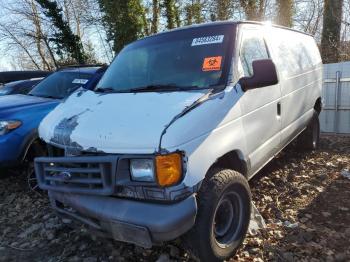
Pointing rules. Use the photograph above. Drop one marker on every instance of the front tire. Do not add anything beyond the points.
(224, 207)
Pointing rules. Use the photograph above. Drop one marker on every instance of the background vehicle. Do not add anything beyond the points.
(20, 115)
(10, 76)
(174, 130)
(19, 87)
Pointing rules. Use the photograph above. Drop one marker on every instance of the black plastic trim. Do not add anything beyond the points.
(137, 222)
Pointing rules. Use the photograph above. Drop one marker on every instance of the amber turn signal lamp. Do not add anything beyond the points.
(13, 125)
(169, 169)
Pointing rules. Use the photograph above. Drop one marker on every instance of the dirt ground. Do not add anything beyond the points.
(304, 198)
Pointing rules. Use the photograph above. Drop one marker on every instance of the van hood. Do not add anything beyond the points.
(114, 123)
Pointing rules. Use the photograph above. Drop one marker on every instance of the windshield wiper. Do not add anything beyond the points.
(105, 90)
(43, 96)
(53, 97)
(169, 87)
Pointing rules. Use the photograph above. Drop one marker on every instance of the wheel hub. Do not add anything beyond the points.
(227, 218)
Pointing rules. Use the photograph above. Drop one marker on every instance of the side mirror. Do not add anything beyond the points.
(264, 74)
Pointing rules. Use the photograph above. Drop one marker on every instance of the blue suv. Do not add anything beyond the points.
(20, 115)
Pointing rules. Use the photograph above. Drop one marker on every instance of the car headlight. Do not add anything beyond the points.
(142, 170)
(8, 125)
(166, 170)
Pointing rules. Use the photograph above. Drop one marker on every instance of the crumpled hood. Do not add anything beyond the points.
(114, 123)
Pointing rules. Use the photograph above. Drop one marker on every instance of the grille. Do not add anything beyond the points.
(83, 175)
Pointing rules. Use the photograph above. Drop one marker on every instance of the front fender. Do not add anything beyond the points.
(217, 128)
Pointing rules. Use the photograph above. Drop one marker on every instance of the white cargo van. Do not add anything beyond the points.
(166, 143)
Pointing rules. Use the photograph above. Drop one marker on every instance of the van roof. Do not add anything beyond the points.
(227, 23)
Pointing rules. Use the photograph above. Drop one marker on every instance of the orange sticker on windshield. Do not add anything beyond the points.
(212, 63)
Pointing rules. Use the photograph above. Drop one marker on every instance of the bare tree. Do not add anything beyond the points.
(155, 16)
(254, 9)
(332, 21)
(285, 11)
(24, 32)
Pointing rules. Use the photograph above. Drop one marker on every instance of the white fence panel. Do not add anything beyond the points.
(335, 117)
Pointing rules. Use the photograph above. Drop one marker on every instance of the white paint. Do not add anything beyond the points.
(119, 123)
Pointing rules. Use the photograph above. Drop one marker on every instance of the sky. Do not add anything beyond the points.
(4, 61)
(92, 35)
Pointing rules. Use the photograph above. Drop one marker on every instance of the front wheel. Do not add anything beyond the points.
(224, 206)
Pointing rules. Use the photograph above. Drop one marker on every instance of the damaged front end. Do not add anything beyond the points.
(117, 195)
(98, 190)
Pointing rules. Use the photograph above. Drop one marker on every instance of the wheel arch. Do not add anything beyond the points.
(232, 160)
(318, 105)
(32, 145)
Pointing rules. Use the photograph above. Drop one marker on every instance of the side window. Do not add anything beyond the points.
(252, 48)
(24, 90)
(297, 53)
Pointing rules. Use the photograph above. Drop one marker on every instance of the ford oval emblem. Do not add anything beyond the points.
(65, 175)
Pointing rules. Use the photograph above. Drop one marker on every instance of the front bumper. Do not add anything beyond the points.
(140, 223)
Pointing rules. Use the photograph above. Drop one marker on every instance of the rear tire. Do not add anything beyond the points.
(309, 139)
(224, 207)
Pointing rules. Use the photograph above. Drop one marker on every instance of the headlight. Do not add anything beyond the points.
(142, 170)
(8, 125)
(166, 170)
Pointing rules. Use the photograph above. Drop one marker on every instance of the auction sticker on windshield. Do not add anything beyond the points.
(80, 81)
(212, 63)
(208, 40)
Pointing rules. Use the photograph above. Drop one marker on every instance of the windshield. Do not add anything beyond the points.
(60, 84)
(194, 58)
(9, 87)
(4, 90)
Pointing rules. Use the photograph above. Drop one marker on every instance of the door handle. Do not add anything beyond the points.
(279, 109)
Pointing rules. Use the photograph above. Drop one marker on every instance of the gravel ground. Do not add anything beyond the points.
(304, 198)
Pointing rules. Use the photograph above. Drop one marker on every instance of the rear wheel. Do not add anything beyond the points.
(224, 205)
(309, 139)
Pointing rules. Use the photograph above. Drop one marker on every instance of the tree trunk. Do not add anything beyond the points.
(193, 12)
(145, 23)
(155, 16)
(330, 43)
(285, 10)
(253, 9)
(50, 51)
(177, 15)
(224, 9)
(170, 13)
(39, 36)
(20, 44)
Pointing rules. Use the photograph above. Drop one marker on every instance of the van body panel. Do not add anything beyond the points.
(114, 123)
(299, 66)
(261, 122)
(218, 124)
